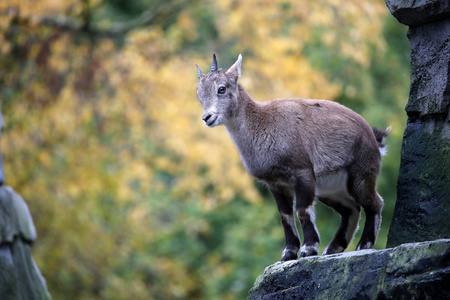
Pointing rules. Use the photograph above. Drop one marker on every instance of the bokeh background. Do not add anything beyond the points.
(132, 196)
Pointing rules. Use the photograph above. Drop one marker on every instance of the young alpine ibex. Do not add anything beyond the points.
(301, 149)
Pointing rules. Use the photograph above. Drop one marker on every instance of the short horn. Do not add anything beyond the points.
(200, 74)
(214, 63)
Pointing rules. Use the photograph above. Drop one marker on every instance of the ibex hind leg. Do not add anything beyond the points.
(365, 195)
(373, 222)
(350, 213)
(285, 200)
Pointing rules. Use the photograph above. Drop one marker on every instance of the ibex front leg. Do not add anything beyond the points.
(304, 193)
(285, 202)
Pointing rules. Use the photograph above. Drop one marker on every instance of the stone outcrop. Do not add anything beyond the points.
(410, 271)
(423, 190)
(20, 278)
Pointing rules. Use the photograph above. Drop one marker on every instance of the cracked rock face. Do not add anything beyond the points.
(409, 271)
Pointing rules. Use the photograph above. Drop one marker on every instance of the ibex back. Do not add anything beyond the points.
(301, 149)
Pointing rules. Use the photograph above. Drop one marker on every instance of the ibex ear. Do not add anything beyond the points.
(235, 69)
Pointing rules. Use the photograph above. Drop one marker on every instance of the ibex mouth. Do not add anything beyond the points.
(210, 121)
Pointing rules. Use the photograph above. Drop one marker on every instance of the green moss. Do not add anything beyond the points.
(422, 207)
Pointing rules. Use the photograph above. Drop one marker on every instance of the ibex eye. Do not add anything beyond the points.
(221, 90)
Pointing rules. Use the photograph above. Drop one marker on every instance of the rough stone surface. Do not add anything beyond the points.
(430, 57)
(20, 278)
(423, 190)
(410, 271)
(417, 12)
(15, 218)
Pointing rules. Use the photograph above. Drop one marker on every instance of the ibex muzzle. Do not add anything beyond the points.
(301, 149)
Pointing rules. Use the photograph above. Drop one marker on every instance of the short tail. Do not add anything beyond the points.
(380, 136)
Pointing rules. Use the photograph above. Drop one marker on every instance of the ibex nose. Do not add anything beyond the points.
(206, 117)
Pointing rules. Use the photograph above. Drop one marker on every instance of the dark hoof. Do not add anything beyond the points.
(288, 255)
(364, 245)
(308, 251)
(333, 249)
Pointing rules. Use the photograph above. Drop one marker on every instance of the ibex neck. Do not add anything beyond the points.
(247, 108)
(243, 95)
(246, 118)
(245, 129)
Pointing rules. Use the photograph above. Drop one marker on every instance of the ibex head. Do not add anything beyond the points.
(217, 91)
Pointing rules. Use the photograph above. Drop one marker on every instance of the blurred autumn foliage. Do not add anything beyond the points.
(132, 196)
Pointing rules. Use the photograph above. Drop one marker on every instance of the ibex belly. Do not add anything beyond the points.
(333, 185)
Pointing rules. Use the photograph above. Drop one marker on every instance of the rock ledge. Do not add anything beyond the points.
(417, 270)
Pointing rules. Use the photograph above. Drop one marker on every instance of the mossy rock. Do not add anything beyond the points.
(410, 271)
